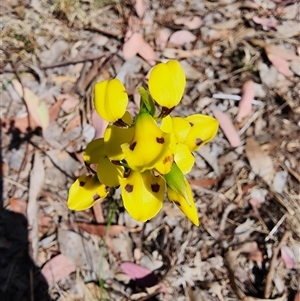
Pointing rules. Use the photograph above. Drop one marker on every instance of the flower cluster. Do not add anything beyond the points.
(148, 155)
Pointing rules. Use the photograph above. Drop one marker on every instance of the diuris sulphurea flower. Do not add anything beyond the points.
(147, 155)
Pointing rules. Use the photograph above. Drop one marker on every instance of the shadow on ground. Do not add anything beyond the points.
(20, 279)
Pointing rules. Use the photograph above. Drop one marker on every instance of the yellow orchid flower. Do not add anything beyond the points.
(84, 192)
(143, 194)
(110, 99)
(115, 136)
(167, 83)
(203, 129)
(109, 173)
(148, 145)
(188, 207)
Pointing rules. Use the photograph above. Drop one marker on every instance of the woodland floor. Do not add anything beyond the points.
(246, 182)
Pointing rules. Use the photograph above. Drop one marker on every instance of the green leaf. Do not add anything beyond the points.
(147, 101)
(176, 181)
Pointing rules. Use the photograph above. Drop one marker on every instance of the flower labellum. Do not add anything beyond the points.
(148, 145)
(143, 194)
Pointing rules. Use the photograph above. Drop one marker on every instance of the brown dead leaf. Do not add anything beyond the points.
(57, 268)
(245, 104)
(140, 8)
(204, 183)
(192, 22)
(182, 37)
(228, 128)
(261, 164)
(36, 108)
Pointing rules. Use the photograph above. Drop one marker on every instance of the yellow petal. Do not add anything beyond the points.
(166, 124)
(148, 145)
(142, 194)
(93, 151)
(84, 192)
(110, 99)
(115, 136)
(109, 173)
(204, 129)
(189, 210)
(183, 158)
(181, 128)
(164, 165)
(167, 83)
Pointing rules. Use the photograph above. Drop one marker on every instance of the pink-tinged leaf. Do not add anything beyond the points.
(99, 124)
(134, 271)
(245, 104)
(142, 276)
(147, 53)
(140, 8)
(190, 22)
(228, 128)
(283, 53)
(37, 108)
(132, 45)
(69, 102)
(58, 268)
(265, 22)
(280, 64)
(288, 257)
(162, 38)
(181, 37)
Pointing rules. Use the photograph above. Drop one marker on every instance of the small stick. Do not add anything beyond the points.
(65, 63)
(270, 275)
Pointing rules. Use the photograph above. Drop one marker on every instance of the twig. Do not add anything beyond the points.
(65, 63)
(270, 275)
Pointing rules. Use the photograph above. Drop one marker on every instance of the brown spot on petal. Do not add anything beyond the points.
(155, 187)
(191, 124)
(177, 203)
(198, 141)
(129, 187)
(160, 140)
(81, 183)
(96, 197)
(168, 159)
(132, 146)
